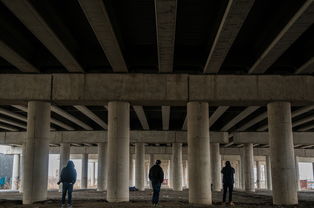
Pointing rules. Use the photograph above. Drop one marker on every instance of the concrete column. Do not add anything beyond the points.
(297, 174)
(282, 152)
(177, 166)
(268, 173)
(102, 155)
(169, 174)
(184, 173)
(242, 169)
(313, 169)
(84, 173)
(92, 180)
(152, 160)
(36, 156)
(249, 168)
(215, 166)
(64, 158)
(199, 153)
(15, 172)
(118, 151)
(131, 172)
(139, 166)
(22, 168)
(258, 174)
(187, 174)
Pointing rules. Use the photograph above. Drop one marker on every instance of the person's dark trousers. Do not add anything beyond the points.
(156, 190)
(67, 188)
(226, 187)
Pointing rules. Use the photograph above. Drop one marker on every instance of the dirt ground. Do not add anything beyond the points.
(169, 199)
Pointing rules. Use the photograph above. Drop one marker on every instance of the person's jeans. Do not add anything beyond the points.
(156, 189)
(67, 187)
(225, 187)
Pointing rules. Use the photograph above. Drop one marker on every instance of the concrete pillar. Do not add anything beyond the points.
(268, 173)
(242, 169)
(313, 169)
(152, 160)
(258, 174)
(102, 174)
(199, 153)
(282, 153)
(169, 174)
(215, 166)
(36, 158)
(118, 151)
(22, 168)
(297, 181)
(187, 174)
(184, 173)
(139, 166)
(15, 173)
(131, 172)
(249, 167)
(64, 158)
(84, 173)
(177, 166)
(92, 180)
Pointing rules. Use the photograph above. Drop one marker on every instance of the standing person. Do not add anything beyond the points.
(68, 179)
(156, 176)
(228, 181)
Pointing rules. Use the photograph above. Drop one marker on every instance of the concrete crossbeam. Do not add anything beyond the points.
(216, 115)
(166, 12)
(234, 16)
(304, 138)
(247, 111)
(28, 15)
(156, 89)
(253, 121)
(139, 110)
(306, 68)
(159, 137)
(16, 59)
(98, 17)
(299, 23)
(91, 115)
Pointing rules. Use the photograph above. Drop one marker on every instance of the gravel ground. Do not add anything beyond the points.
(169, 199)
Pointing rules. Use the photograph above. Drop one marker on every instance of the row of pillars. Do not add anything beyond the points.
(199, 171)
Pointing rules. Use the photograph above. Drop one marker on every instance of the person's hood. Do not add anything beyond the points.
(70, 164)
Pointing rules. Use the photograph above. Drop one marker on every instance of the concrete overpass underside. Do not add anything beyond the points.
(124, 82)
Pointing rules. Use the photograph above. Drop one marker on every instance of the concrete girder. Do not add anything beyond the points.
(139, 110)
(216, 115)
(165, 111)
(98, 17)
(234, 16)
(306, 68)
(91, 115)
(28, 15)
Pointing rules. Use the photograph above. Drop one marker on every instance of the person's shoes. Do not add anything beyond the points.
(231, 203)
(69, 206)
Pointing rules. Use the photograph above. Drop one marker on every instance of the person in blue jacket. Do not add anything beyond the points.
(68, 179)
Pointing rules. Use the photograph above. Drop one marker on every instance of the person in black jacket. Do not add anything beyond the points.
(156, 176)
(68, 179)
(228, 181)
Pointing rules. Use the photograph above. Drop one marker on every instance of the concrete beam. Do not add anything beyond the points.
(306, 68)
(247, 111)
(231, 23)
(156, 89)
(27, 14)
(8, 128)
(52, 120)
(166, 12)
(139, 110)
(71, 118)
(165, 112)
(13, 123)
(304, 138)
(16, 59)
(97, 16)
(88, 137)
(253, 121)
(303, 120)
(306, 128)
(185, 122)
(91, 115)
(299, 23)
(216, 115)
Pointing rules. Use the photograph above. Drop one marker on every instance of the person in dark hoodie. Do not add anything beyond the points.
(68, 179)
(228, 181)
(156, 176)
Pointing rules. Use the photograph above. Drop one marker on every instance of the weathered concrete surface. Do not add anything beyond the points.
(303, 138)
(102, 136)
(156, 89)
